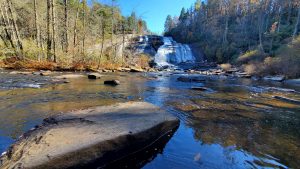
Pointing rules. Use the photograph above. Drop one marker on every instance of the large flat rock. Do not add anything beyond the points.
(98, 135)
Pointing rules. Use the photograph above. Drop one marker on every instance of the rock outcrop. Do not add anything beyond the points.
(99, 135)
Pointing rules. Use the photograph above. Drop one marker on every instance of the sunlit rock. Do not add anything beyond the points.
(98, 135)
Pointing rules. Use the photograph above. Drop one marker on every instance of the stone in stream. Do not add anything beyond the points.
(112, 82)
(69, 76)
(45, 73)
(94, 76)
(20, 73)
(200, 88)
(136, 70)
(275, 78)
(83, 138)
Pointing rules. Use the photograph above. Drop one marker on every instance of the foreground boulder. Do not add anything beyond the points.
(98, 135)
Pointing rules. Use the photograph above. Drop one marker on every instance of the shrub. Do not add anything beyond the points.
(250, 56)
(250, 68)
(288, 59)
(226, 66)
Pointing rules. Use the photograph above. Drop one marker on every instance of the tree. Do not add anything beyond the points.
(53, 29)
(297, 24)
(169, 24)
(49, 38)
(65, 34)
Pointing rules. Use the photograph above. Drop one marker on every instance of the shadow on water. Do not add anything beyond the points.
(141, 157)
(236, 124)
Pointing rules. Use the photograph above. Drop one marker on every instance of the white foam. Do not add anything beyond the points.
(173, 53)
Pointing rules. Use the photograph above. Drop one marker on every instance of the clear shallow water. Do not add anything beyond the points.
(236, 124)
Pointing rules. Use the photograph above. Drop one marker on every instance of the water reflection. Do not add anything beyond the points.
(238, 125)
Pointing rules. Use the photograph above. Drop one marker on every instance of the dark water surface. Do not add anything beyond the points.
(235, 124)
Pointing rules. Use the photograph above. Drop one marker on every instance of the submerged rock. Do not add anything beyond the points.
(99, 135)
(200, 88)
(94, 76)
(275, 78)
(112, 82)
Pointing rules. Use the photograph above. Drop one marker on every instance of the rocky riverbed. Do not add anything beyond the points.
(224, 122)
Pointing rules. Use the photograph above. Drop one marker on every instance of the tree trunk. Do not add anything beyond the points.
(37, 29)
(53, 29)
(84, 27)
(9, 34)
(289, 12)
(66, 38)
(260, 29)
(123, 42)
(102, 40)
(296, 25)
(112, 26)
(279, 19)
(49, 38)
(75, 30)
(226, 30)
(15, 28)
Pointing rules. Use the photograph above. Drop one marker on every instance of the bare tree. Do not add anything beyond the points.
(49, 38)
(297, 24)
(7, 29)
(37, 28)
(75, 29)
(15, 27)
(53, 29)
(65, 35)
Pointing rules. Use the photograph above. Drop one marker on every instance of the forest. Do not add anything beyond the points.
(68, 33)
(259, 35)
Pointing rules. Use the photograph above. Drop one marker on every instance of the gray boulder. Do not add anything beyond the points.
(94, 76)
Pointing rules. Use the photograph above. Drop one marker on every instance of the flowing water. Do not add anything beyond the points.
(235, 124)
(172, 53)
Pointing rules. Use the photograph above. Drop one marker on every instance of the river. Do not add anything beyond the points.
(235, 124)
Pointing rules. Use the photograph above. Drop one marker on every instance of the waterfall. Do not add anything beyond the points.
(172, 53)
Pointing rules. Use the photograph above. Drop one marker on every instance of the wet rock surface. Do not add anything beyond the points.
(94, 76)
(98, 135)
(69, 76)
(275, 78)
(112, 82)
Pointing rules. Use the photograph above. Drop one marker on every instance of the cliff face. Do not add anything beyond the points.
(148, 44)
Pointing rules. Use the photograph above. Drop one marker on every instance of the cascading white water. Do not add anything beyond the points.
(173, 53)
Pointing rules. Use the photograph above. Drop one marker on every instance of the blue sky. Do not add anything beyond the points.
(153, 11)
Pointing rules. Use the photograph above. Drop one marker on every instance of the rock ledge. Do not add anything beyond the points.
(98, 135)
